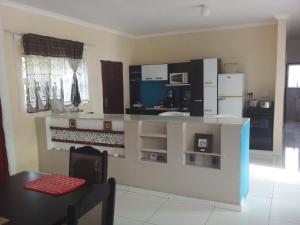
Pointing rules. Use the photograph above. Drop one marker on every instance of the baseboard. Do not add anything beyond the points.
(204, 202)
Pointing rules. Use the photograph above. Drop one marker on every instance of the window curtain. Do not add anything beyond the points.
(47, 61)
(75, 95)
(3, 156)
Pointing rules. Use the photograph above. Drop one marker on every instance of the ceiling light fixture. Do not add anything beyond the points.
(204, 10)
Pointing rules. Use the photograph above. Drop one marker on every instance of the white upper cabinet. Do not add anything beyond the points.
(210, 71)
(155, 72)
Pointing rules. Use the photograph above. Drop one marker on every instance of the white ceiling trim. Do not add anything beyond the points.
(73, 20)
(207, 29)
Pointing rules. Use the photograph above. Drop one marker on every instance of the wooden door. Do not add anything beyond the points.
(112, 82)
(196, 77)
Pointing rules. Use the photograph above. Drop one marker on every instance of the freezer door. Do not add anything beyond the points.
(210, 100)
(231, 84)
(230, 106)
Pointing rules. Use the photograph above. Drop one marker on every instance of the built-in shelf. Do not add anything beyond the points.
(154, 135)
(171, 85)
(154, 150)
(206, 160)
(204, 153)
(153, 141)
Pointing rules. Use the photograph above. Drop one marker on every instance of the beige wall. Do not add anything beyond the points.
(104, 45)
(253, 47)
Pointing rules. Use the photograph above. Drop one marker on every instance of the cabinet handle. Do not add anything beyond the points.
(208, 110)
(148, 78)
(105, 102)
(198, 100)
(221, 98)
(208, 82)
(159, 78)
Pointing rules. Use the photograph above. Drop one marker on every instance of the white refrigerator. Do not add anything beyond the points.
(231, 94)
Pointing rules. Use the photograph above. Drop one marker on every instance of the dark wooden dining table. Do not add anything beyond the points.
(26, 207)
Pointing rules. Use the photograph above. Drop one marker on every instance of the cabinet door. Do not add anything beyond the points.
(196, 79)
(210, 100)
(210, 71)
(155, 72)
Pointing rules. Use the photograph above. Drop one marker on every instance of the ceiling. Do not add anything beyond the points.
(152, 17)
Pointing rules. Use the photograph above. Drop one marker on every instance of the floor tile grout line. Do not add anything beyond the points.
(129, 218)
(212, 210)
(159, 207)
(271, 201)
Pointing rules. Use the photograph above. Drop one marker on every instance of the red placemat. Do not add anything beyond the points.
(55, 184)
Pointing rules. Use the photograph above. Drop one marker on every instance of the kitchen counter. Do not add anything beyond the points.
(126, 117)
(156, 152)
(153, 111)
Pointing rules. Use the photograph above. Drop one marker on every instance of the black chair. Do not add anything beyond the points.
(104, 193)
(88, 163)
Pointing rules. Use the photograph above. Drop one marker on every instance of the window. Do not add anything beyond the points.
(294, 76)
(46, 78)
(54, 73)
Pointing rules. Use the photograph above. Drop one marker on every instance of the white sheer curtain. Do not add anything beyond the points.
(47, 78)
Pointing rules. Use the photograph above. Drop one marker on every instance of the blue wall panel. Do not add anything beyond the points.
(244, 179)
(154, 92)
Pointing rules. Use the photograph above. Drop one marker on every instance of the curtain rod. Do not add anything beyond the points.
(20, 33)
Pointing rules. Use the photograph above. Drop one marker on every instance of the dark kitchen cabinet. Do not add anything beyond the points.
(196, 80)
(135, 76)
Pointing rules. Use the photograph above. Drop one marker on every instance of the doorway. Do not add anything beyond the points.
(112, 82)
(292, 113)
(292, 96)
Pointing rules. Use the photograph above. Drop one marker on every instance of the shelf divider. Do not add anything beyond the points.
(154, 150)
(153, 135)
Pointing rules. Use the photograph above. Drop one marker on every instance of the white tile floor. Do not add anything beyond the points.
(274, 199)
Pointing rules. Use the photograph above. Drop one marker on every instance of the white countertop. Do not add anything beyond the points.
(207, 119)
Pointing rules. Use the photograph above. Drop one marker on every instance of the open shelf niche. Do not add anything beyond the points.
(153, 141)
(201, 159)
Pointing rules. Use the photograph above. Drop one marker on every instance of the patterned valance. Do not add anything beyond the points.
(48, 46)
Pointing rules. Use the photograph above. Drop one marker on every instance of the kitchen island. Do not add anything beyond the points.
(156, 152)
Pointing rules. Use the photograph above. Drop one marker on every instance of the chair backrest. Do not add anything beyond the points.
(104, 193)
(88, 163)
